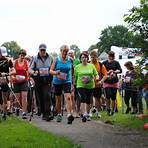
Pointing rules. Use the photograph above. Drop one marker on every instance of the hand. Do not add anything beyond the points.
(57, 72)
(35, 73)
(3, 74)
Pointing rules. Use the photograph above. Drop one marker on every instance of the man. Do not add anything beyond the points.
(41, 65)
(6, 68)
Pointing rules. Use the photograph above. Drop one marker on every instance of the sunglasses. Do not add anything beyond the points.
(42, 50)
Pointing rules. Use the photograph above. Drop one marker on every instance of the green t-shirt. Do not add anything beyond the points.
(84, 75)
(76, 62)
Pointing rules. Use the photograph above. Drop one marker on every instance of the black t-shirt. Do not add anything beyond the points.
(5, 64)
(114, 66)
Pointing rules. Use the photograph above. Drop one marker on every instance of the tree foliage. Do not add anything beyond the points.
(76, 49)
(115, 36)
(13, 48)
(137, 20)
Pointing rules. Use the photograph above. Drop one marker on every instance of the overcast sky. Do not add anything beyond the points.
(58, 22)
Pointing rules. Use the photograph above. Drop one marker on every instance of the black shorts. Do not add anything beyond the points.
(4, 88)
(20, 87)
(85, 95)
(59, 88)
(110, 93)
(97, 92)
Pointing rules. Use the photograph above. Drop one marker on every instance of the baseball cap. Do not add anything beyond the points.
(3, 51)
(42, 46)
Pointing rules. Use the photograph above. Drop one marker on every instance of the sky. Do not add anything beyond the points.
(58, 22)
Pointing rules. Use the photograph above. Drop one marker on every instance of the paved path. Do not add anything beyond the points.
(95, 134)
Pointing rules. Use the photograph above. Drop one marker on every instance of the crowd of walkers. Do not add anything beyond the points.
(47, 86)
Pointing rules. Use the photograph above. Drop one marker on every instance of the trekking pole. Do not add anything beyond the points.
(31, 99)
(6, 75)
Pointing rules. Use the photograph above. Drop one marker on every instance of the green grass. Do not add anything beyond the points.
(15, 133)
(125, 120)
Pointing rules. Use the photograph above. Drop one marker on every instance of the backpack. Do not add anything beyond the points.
(101, 74)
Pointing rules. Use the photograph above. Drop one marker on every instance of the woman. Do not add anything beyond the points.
(20, 81)
(111, 84)
(62, 81)
(131, 91)
(6, 68)
(97, 93)
(85, 74)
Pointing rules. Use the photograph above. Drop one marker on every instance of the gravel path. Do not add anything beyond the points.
(95, 134)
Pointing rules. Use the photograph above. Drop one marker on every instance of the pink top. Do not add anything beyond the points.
(114, 85)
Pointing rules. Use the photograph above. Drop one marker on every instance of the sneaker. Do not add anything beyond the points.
(70, 119)
(84, 119)
(49, 118)
(9, 113)
(39, 112)
(59, 118)
(108, 112)
(133, 113)
(88, 118)
(24, 116)
(128, 110)
(94, 110)
(112, 113)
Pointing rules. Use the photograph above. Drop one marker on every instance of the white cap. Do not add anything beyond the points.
(3, 51)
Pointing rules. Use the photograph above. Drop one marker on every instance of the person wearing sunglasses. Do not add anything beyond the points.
(40, 67)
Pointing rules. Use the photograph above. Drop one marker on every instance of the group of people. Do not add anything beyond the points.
(79, 84)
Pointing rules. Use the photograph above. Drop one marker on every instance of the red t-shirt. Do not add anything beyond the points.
(22, 70)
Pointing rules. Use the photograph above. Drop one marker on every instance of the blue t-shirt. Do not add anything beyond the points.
(65, 69)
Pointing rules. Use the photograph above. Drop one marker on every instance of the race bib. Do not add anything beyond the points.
(62, 76)
(18, 79)
(127, 79)
(44, 71)
(86, 79)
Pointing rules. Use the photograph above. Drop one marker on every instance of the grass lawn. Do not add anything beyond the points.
(15, 133)
(126, 120)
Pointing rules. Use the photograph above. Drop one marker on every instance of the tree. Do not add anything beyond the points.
(54, 54)
(115, 36)
(13, 48)
(92, 47)
(76, 49)
(137, 20)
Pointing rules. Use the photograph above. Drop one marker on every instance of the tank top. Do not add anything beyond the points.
(65, 68)
(22, 70)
